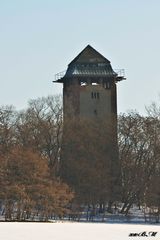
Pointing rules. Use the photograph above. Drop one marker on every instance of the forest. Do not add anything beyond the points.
(33, 183)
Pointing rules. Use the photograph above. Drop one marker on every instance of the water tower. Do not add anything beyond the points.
(89, 92)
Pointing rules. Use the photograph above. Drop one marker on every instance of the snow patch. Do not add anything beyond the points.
(73, 231)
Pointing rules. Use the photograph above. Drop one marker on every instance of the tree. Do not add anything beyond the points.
(30, 144)
(152, 196)
(27, 188)
(7, 127)
(139, 153)
(40, 128)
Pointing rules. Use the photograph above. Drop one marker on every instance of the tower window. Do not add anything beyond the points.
(83, 83)
(92, 95)
(95, 95)
(95, 112)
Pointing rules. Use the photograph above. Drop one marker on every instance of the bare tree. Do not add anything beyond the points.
(40, 127)
(139, 156)
(7, 127)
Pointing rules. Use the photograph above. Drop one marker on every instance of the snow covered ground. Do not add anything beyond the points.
(75, 231)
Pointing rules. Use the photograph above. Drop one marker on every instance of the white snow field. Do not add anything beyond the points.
(75, 231)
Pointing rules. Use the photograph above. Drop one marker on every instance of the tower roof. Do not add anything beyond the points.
(88, 63)
(89, 55)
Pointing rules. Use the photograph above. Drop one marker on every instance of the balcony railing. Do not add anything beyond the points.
(60, 75)
(120, 74)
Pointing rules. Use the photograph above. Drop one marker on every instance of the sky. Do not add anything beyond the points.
(39, 38)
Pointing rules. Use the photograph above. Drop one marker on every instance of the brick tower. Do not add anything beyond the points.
(89, 92)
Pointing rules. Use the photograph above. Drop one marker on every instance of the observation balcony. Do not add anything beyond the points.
(118, 73)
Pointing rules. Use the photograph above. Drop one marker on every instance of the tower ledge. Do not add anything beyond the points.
(119, 75)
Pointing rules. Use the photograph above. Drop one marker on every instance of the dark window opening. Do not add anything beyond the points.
(95, 95)
(92, 95)
(107, 85)
(95, 112)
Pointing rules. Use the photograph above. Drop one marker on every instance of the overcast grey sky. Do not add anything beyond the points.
(38, 38)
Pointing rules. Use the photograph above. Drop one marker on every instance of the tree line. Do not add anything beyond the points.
(35, 183)
(29, 158)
